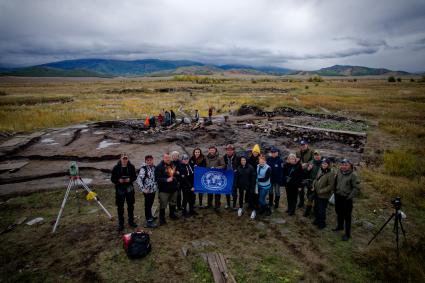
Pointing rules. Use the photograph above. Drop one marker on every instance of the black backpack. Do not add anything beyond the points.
(140, 245)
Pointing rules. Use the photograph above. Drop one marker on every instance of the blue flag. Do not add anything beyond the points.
(213, 181)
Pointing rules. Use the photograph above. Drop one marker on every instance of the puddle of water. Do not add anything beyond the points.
(105, 144)
(48, 140)
(85, 130)
(79, 126)
(66, 134)
(99, 133)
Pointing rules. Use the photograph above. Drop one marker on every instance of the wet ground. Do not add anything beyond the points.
(39, 161)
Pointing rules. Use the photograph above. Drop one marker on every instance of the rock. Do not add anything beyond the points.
(185, 250)
(37, 220)
(197, 244)
(367, 225)
(260, 225)
(278, 220)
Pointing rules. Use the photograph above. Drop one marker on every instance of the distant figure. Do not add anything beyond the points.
(196, 119)
(152, 122)
(210, 112)
(173, 116)
(167, 118)
(147, 122)
(160, 119)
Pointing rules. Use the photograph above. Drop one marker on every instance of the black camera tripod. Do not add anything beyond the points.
(397, 222)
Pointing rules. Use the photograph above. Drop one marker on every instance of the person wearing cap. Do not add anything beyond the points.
(148, 186)
(213, 160)
(123, 175)
(292, 179)
(347, 186)
(187, 186)
(231, 162)
(245, 180)
(264, 184)
(305, 154)
(312, 169)
(253, 160)
(323, 186)
(276, 165)
(166, 177)
(198, 159)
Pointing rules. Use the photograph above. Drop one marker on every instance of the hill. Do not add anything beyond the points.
(347, 70)
(43, 71)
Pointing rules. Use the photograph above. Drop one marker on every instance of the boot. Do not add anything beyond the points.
(307, 211)
(173, 212)
(162, 217)
(271, 195)
(276, 202)
(268, 211)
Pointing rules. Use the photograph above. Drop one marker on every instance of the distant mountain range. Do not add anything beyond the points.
(156, 67)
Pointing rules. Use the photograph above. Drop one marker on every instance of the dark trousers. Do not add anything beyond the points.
(200, 197)
(301, 196)
(188, 199)
(217, 199)
(179, 197)
(243, 197)
(320, 206)
(253, 200)
(149, 200)
(291, 195)
(343, 209)
(234, 196)
(122, 196)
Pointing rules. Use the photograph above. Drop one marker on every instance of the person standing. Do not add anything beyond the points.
(172, 116)
(187, 176)
(323, 186)
(231, 162)
(198, 159)
(292, 178)
(210, 112)
(245, 180)
(196, 118)
(175, 158)
(214, 161)
(305, 155)
(166, 177)
(123, 175)
(276, 165)
(311, 173)
(347, 186)
(148, 186)
(253, 160)
(264, 173)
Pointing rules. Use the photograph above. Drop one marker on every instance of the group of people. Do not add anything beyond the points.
(309, 181)
(166, 118)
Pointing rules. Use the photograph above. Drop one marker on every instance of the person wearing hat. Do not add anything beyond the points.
(213, 160)
(292, 179)
(198, 159)
(312, 169)
(245, 179)
(276, 165)
(231, 162)
(305, 155)
(123, 175)
(166, 177)
(253, 160)
(148, 186)
(347, 186)
(323, 186)
(187, 186)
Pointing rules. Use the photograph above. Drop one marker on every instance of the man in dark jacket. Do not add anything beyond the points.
(276, 165)
(166, 177)
(347, 186)
(231, 162)
(123, 176)
(292, 179)
(245, 179)
(310, 175)
(213, 160)
(305, 155)
(186, 177)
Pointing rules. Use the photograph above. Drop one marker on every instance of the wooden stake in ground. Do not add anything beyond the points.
(218, 266)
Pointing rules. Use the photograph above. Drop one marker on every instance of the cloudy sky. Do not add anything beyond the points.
(297, 34)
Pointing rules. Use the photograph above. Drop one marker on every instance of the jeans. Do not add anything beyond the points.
(263, 193)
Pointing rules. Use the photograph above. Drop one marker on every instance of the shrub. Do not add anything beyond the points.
(306, 87)
(316, 79)
(412, 80)
(399, 80)
(391, 79)
(400, 163)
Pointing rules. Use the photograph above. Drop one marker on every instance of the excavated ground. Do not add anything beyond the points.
(39, 161)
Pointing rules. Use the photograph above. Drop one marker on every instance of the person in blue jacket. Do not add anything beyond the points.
(264, 173)
(276, 164)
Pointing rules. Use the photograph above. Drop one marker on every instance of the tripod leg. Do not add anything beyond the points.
(377, 233)
(402, 229)
(95, 198)
(70, 185)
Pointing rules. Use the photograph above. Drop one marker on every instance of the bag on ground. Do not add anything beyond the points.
(137, 244)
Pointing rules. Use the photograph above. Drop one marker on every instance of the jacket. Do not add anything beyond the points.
(305, 156)
(162, 173)
(276, 164)
(201, 162)
(347, 184)
(324, 183)
(118, 172)
(245, 177)
(214, 161)
(146, 179)
(186, 177)
(232, 161)
(264, 173)
(292, 175)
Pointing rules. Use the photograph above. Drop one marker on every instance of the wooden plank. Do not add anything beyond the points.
(218, 266)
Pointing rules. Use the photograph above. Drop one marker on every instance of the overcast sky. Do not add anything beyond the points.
(297, 34)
